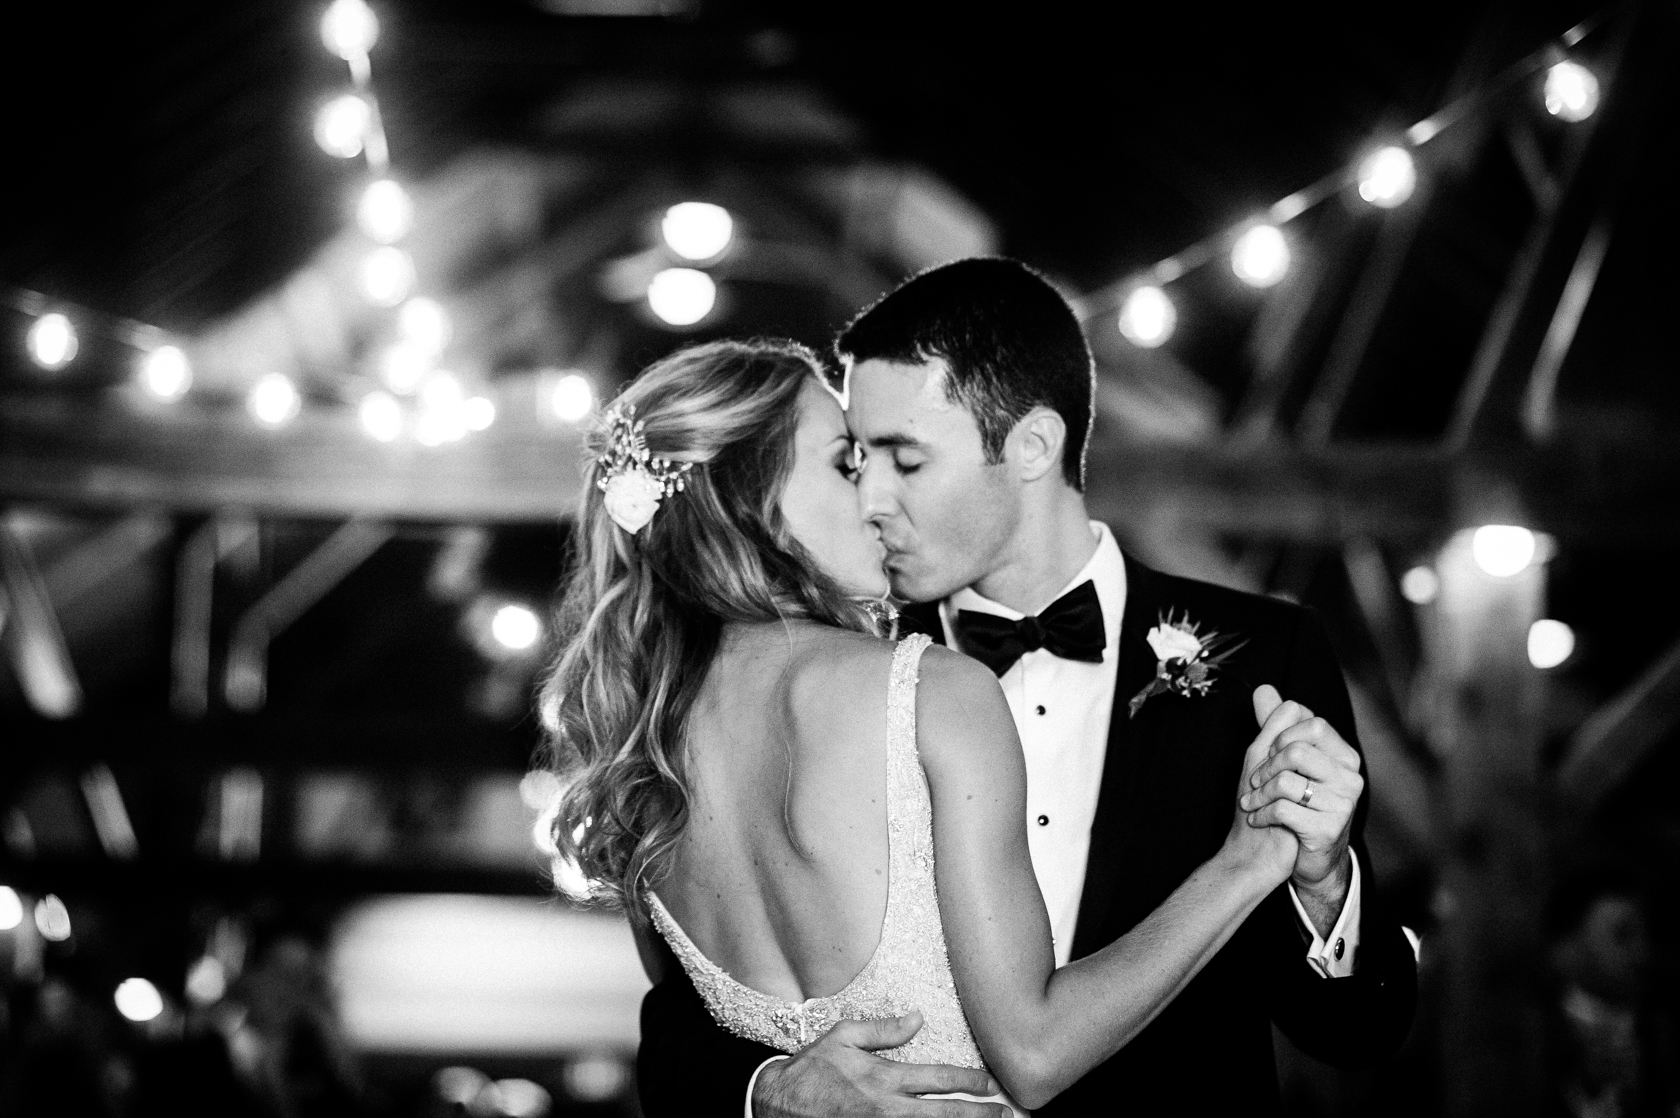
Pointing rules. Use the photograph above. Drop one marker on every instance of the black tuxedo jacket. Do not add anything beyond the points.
(1168, 792)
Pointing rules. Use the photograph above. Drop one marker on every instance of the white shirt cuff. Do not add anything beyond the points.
(753, 1082)
(1332, 956)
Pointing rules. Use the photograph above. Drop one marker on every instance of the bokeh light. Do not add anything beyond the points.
(423, 322)
(1148, 317)
(1571, 91)
(206, 980)
(521, 1098)
(595, 1079)
(572, 398)
(1550, 643)
(138, 1000)
(515, 627)
(387, 276)
(341, 125)
(52, 341)
(11, 905)
(1260, 257)
(381, 416)
(403, 366)
(385, 211)
(52, 919)
(274, 400)
(166, 373)
(1502, 550)
(697, 230)
(349, 28)
(681, 296)
(442, 410)
(478, 413)
(1387, 177)
(1420, 585)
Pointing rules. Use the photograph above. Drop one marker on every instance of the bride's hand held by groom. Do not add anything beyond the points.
(1300, 776)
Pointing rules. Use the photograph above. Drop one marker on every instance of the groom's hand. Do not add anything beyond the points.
(840, 1077)
(1310, 784)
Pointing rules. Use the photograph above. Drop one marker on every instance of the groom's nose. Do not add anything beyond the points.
(874, 496)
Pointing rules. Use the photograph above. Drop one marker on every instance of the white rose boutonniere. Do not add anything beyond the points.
(1186, 659)
(632, 498)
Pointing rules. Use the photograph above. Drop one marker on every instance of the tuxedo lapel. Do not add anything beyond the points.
(1108, 829)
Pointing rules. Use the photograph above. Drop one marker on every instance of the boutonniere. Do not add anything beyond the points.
(1186, 659)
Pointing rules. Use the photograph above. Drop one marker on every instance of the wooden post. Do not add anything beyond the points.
(1486, 729)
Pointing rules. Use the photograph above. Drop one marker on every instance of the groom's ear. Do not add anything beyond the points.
(1037, 441)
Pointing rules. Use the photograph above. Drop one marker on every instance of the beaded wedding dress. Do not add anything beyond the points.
(909, 969)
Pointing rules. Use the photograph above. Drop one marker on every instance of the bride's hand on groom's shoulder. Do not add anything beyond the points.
(1306, 779)
(840, 1075)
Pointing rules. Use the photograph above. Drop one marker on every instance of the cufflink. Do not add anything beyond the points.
(1341, 946)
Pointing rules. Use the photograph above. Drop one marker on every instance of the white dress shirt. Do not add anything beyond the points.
(1062, 710)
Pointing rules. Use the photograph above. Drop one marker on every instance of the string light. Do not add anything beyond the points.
(573, 397)
(424, 323)
(403, 366)
(1420, 585)
(1571, 91)
(697, 230)
(385, 211)
(1503, 550)
(387, 276)
(274, 400)
(1387, 177)
(341, 125)
(515, 627)
(52, 341)
(381, 416)
(138, 1000)
(52, 919)
(1260, 257)
(1148, 317)
(349, 29)
(1550, 643)
(442, 419)
(166, 373)
(681, 296)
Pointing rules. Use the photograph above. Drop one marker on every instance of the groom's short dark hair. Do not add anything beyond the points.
(1011, 341)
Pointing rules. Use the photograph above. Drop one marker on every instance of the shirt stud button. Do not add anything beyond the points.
(1341, 945)
(1039, 708)
(1044, 821)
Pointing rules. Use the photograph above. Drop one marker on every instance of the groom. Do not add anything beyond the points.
(969, 389)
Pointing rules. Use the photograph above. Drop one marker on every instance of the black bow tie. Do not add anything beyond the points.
(1070, 627)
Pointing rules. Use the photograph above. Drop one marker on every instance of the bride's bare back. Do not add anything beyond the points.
(780, 877)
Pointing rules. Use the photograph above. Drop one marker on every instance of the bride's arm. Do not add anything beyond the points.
(1040, 1028)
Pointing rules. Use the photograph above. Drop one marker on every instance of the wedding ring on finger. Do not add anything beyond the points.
(1307, 795)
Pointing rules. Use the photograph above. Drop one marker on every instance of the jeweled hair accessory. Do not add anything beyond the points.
(634, 479)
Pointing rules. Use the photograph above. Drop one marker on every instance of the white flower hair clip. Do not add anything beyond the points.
(633, 479)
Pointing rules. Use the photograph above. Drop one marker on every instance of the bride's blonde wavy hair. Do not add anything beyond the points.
(642, 615)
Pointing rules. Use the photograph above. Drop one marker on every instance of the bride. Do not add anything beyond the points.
(823, 824)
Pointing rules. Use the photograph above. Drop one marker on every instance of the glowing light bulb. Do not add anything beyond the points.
(697, 230)
(515, 627)
(11, 906)
(341, 125)
(387, 275)
(274, 400)
(478, 413)
(1550, 643)
(52, 919)
(138, 1000)
(349, 28)
(681, 296)
(1502, 550)
(403, 366)
(1420, 585)
(424, 323)
(166, 373)
(1571, 91)
(206, 980)
(573, 397)
(1148, 317)
(1387, 177)
(381, 416)
(385, 211)
(1261, 256)
(52, 341)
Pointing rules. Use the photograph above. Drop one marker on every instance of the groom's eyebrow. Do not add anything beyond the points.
(889, 441)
